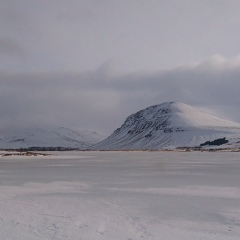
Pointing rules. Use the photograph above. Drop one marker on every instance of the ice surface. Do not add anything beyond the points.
(120, 195)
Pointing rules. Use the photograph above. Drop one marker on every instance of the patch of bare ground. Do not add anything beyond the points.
(25, 154)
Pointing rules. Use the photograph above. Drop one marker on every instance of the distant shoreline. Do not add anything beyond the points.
(38, 152)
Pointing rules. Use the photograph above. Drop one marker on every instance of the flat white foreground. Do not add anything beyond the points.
(120, 196)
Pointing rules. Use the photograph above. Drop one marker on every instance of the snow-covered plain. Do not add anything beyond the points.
(120, 196)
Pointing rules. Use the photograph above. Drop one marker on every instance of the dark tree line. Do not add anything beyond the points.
(217, 142)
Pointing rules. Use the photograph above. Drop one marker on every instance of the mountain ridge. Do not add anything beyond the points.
(50, 137)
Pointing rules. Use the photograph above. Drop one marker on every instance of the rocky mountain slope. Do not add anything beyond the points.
(50, 137)
(168, 126)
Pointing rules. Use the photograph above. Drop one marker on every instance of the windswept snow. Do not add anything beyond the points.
(120, 195)
(48, 136)
(170, 125)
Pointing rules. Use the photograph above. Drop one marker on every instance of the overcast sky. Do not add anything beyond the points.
(90, 63)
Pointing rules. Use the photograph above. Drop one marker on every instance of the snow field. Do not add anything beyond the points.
(120, 195)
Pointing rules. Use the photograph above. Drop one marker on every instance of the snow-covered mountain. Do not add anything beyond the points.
(170, 125)
(50, 137)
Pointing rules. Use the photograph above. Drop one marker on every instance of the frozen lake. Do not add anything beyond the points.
(120, 196)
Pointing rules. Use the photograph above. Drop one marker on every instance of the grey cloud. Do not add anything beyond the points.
(9, 47)
(101, 100)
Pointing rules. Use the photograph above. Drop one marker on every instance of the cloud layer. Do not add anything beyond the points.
(102, 99)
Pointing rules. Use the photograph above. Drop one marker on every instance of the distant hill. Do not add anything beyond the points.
(50, 137)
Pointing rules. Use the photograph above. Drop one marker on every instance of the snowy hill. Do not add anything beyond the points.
(170, 125)
(50, 137)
